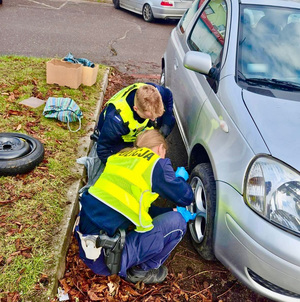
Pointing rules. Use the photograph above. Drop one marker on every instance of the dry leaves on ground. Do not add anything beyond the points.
(82, 284)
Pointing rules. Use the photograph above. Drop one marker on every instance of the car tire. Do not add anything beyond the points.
(116, 3)
(147, 13)
(201, 229)
(19, 153)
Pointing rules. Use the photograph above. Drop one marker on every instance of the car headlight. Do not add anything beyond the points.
(273, 191)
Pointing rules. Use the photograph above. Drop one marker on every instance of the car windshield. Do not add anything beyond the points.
(269, 47)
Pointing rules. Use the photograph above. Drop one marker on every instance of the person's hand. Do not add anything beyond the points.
(165, 130)
(182, 172)
(186, 214)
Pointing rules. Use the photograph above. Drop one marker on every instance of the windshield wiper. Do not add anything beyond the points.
(285, 85)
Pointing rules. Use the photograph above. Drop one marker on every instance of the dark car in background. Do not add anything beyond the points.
(234, 69)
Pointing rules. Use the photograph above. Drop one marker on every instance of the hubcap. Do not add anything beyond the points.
(13, 147)
(147, 12)
(197, 227)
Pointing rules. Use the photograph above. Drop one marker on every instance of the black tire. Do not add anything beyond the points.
(116, 3)
(201, 229)
(147, 13)
(19, 153)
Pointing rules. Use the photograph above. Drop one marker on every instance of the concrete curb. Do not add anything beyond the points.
(63, 238)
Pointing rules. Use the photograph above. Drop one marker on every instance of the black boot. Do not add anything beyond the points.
(135, 274)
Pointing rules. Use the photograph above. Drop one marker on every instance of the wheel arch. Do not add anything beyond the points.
(197, 156)
(150, 4)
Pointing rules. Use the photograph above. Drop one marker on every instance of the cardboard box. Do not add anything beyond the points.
(64, 73)
(89, 75)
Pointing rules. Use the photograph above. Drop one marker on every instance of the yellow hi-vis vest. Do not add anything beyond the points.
(125, 185)
(119, 101)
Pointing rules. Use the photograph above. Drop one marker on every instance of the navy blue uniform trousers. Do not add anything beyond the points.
(148, 250)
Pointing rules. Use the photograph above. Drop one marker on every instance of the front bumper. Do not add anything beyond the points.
(262, 256)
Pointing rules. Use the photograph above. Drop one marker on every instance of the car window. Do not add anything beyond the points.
(268, 48)
(209, 30)
(189, 14)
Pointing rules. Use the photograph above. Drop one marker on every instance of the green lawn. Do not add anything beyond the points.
(32, 205)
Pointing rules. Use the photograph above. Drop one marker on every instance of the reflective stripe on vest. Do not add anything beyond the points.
(126, 185)
(120, 103)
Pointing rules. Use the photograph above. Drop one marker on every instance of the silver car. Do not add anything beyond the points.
(151, 9)
(234, 69)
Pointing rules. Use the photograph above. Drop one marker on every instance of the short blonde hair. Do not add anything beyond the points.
(148, 98)
(150, 139)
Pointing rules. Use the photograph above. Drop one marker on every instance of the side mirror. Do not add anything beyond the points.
(198, 62)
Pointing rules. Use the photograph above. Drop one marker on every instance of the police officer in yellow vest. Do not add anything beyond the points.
(122, 199)
(130, 111)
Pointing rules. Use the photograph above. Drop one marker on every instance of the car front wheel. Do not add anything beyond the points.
(203, 184)
(147, 13)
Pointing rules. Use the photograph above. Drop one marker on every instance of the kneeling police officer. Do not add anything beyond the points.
(119, 230)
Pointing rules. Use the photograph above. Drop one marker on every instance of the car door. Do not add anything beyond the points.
(191, 89)
(138, 5)
(127, 4)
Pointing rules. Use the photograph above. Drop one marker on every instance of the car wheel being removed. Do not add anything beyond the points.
(19, 153)
(203, 184)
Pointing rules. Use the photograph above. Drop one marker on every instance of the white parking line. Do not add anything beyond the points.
(49, 6)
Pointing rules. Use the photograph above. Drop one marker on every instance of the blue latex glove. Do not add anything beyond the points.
(181, 172)
(187, 215)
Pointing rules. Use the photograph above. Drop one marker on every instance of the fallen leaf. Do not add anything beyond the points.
(111, 287)
(176, 285)
(43, 168)
(15, 253)
(18, 243)
(65, 285)
(93, 296)
(130, 290)
(19, 279)
(2, 202)
(26, 195)
(15, 112)
(26, 255)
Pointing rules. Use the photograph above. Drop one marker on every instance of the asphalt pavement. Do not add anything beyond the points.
(87, 29)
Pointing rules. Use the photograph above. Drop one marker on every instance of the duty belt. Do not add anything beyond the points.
(112, 247)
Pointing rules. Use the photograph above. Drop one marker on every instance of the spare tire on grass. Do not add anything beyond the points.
(19, 153)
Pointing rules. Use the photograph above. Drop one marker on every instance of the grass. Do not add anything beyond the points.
(32, 205)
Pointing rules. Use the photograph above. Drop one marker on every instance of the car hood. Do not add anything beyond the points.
(278, 121)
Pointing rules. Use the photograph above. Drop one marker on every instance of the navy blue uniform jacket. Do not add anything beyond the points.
(111, 127)
(96, 216)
